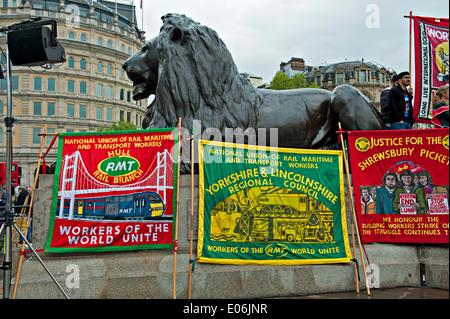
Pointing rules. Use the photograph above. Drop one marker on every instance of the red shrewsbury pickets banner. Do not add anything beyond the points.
(401, 182)
(431, 53)
(114, 191)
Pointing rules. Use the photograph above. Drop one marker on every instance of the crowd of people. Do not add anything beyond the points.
(397, 107)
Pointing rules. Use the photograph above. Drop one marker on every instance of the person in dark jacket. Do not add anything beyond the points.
(400, 104)
(23, 193)
(384, 97)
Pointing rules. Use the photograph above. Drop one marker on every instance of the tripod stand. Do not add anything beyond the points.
(8, 221)
(7, 216)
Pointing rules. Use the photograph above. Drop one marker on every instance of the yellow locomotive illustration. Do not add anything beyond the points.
(266, 214)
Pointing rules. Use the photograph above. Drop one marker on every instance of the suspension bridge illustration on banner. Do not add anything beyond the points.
(75, 180)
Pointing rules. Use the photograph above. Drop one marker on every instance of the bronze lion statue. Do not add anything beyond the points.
(193, 77)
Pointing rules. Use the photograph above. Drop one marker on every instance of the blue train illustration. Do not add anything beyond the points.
(144, 205)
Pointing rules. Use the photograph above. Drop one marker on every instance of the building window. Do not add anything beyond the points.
(340, 78)
(100, 90)
(83, 111)
(52, 7)
(122, 94)
(128, 96)
(109, 69)
(121, 115)
(99, 113)
(318, 80)
(37, 84)
(128, 116)
(14, 83)
(100, 67)
(1, 107)
(51, 108)
(51, 85)
(36, 139)
(71, 35)
(70, 110)
(83, 37)
(37, 108)
(100, 41)
(83, 87)
(363, 76)
(70, 86)
(109, 114)
(71, 63)
(109, 44)
(109, 91)
(83, 64)
(122, 48)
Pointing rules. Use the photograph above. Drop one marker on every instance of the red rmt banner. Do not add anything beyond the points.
(401, 182)
(114, 191)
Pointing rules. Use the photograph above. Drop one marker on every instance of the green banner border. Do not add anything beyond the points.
(201, 230)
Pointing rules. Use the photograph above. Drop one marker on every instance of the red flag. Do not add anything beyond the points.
(431, 63)
(391, 172)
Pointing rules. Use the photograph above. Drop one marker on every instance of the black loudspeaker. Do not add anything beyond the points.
(35, 46)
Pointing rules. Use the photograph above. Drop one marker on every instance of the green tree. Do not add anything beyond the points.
(119, 126)
(282, 82)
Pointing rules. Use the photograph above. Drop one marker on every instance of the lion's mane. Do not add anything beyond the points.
(198, 79)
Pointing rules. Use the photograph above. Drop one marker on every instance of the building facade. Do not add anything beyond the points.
(368, 77)
(88, 91)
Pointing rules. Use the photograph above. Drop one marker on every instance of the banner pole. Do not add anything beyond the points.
(410, 44)
(352, 222)
(36, 176)
(175, 250)
(352, 211)
(192, 214)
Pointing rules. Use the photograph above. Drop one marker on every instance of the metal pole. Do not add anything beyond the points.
(9, 122)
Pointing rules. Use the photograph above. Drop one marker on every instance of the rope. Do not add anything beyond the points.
(193, 261)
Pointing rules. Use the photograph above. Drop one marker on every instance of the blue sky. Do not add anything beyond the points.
(262, 33)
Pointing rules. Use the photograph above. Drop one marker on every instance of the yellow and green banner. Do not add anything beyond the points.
(273, 206)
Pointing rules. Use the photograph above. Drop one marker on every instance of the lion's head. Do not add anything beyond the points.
(142, 69)
(193, 76)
